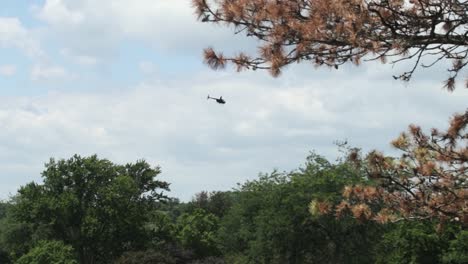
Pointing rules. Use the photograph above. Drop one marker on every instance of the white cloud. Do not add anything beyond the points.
(147, 67)
(46, 73)
(57, 12)
(81, 59)
(95, 27)
(14, 35)
(7, 70)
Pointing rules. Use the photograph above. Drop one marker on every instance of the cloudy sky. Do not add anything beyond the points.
(124, 79)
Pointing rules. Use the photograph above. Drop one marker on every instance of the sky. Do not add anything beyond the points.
(125, 79)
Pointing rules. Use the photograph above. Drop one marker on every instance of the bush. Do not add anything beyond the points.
(49, 252)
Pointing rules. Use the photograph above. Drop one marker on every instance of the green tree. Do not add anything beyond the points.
(457, 252)
(215, 202)
(410, 244)
(172, 207)
(3, 209)
(270, 222)
(197, 231)
(17, 238)
(163, 230)
(94, 205)
(145, 257)
(49, 252)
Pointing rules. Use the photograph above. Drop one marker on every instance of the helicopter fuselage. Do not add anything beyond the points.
(219, 100)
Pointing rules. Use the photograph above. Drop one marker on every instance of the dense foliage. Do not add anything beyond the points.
(49, 252)
(89, 210)
(96, 207)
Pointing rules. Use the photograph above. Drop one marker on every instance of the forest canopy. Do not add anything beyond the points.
(90, 210)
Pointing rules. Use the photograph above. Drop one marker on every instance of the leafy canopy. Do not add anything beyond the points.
(92, 204)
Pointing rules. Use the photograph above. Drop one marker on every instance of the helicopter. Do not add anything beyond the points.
(219, 100)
